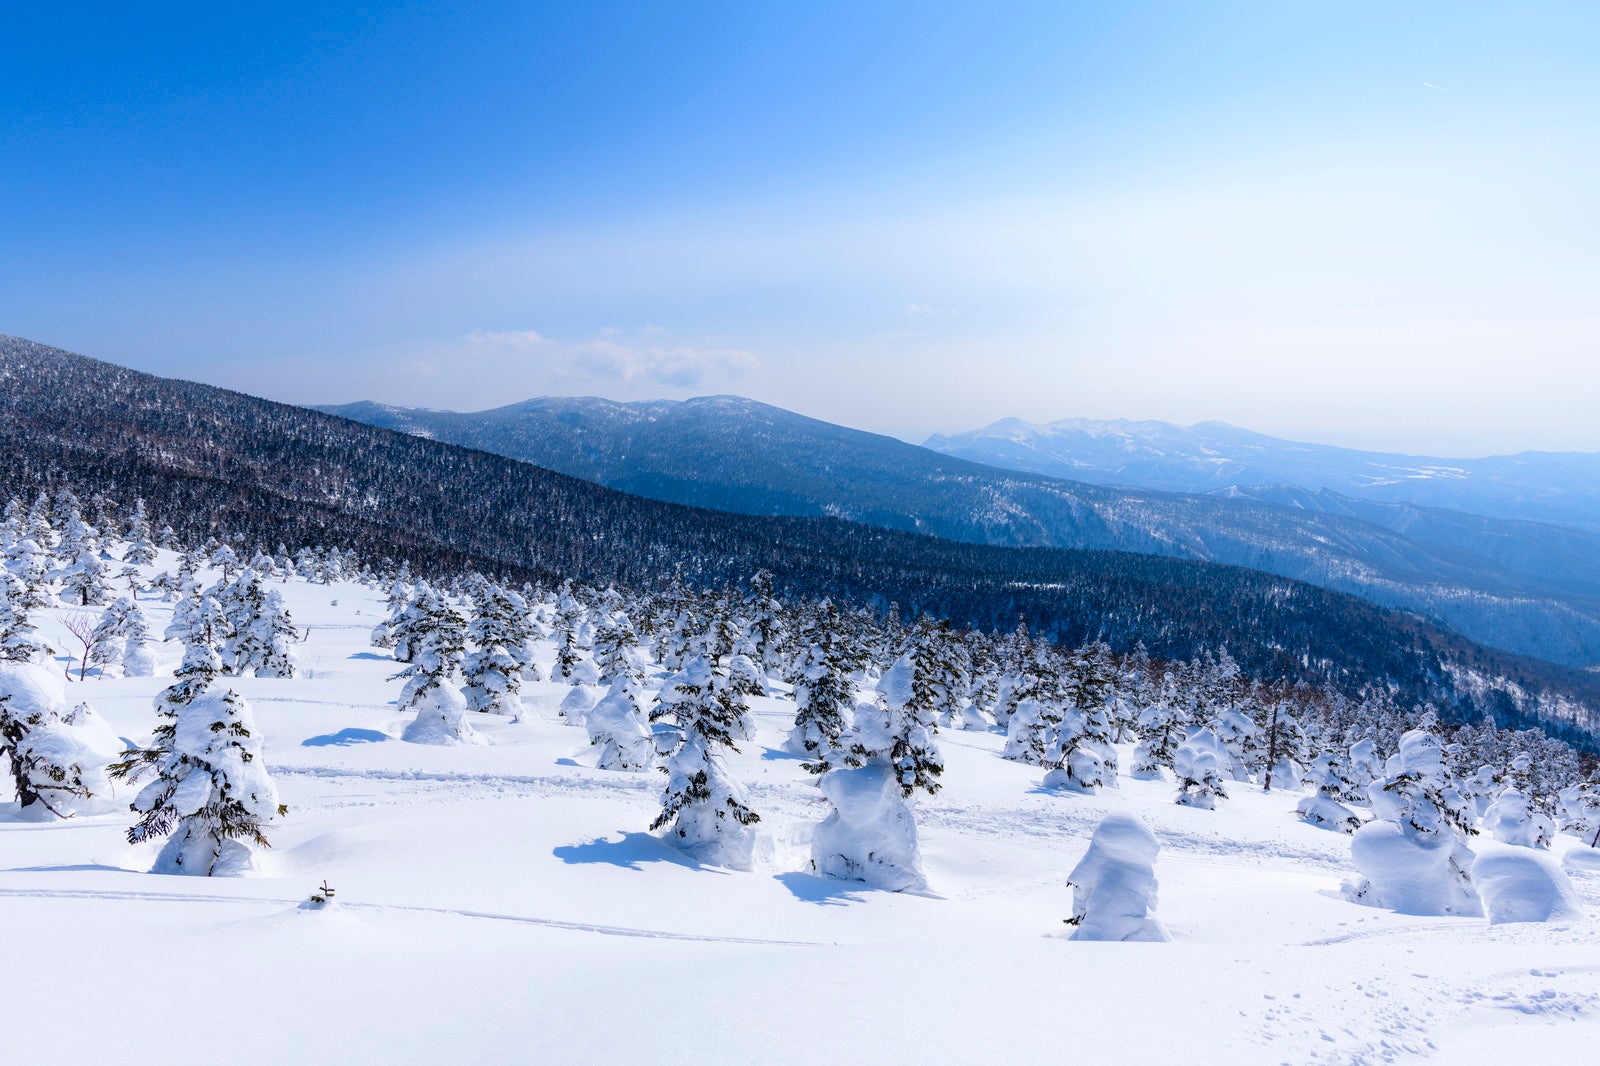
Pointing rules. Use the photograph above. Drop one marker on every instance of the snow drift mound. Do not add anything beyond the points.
(1519, 884)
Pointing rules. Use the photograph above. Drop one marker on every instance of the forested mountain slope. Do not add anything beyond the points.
(260, 472)
(1522, 586)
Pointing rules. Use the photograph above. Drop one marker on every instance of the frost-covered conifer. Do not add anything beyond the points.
(211, 795)
(435, 634)
(888, 756)
(619, 728)
(141, 549)
(1329, 775)
(616, 649)
(57, 756)
(259, 631)
(19, 641)
(1198, 764)
(1413, 856)
(1114, 884)
(1080, 756)
(823, 692)
(705, 811)
(764, 626)
(1161, 724)
(1241, 742)
(495, 670)
(1580, 809)
(1513, 819)
(84, 577)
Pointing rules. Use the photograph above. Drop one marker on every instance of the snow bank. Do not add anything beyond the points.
(1519, 884)
(1114, 884)
(871, 835)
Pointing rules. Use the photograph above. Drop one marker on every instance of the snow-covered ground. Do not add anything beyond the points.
(504, 903)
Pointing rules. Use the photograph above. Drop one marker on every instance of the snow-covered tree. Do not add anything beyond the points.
(85, 577)
(1413, 856)
(619, 727)
(1080, 756)
(57, 754)
(141, 548)
(434, 634)
(259, 631)
(1114, 884)
(887, 757)
(19, 640)
(1513, 819)
(1161, 724)
(616, 648)
(1329, 776)
(1198, 764)
(823, 691)
(704, 810)
(494, 671)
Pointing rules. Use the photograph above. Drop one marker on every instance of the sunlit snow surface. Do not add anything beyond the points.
(503, 903)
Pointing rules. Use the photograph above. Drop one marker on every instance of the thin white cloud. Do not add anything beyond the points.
(1436, 88)
(920, 310)
(519, 338)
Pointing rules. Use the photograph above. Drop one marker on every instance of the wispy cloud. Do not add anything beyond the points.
(918, 310)
(1435, 88)
(676, 367)
(612, 358)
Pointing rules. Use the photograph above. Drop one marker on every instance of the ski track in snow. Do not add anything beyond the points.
(548, 923)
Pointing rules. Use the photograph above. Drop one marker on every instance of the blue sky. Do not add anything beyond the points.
(1372, 224)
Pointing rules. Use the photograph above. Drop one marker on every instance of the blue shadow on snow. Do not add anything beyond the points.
(630, 853)
(825, 891)
(344, 738)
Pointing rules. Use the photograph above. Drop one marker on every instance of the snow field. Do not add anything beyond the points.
(503, 902)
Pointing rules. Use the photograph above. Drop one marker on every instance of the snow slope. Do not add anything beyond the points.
(502, 903)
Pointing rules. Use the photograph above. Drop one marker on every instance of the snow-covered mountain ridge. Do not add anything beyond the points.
(1551, 487)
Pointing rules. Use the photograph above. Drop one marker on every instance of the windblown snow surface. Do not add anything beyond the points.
(503, 903)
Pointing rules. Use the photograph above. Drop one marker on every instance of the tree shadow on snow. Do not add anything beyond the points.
(823, 891)
(630, 853)
(370, 655)
(777, 754)
(344, 738)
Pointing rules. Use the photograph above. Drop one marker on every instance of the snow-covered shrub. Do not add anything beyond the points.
(1413, 856)
(1114, 884)
(1325, 812)
(1028, 730)
(57, 755)
(1517, 884)
(1161, 728)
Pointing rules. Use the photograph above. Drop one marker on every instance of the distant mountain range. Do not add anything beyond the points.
(1528, 587)
(1554, 487)
(219, 463)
